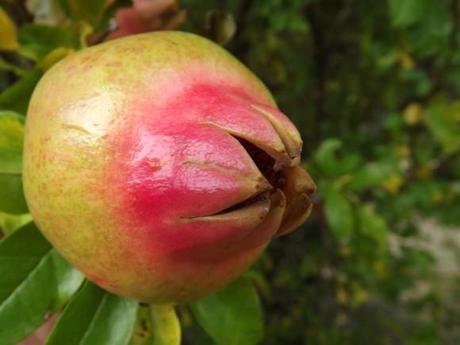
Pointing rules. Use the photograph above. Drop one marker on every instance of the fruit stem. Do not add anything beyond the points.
(165, 325)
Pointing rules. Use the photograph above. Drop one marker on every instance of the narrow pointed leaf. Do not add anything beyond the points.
(406, 12)
(16, 97)
(373, 225)
(95, 317)
(35, 280)
(8, 39)
(38, 40)
(11, 138)
(231, 316)
(339, 213)
(165, 325)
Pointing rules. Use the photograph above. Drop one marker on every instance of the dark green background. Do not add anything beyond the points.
(352, 74)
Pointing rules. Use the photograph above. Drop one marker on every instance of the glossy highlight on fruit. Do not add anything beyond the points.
(160, 166)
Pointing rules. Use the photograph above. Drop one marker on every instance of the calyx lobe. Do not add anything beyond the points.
(276, 154)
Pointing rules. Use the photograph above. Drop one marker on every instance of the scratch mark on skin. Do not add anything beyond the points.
(77, 128)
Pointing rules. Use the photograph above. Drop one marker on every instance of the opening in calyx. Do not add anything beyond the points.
(282, 183)
(290, 186)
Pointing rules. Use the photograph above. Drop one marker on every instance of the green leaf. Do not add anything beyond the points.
(165, 325)
(37, 40)
(17, 96)
(325, 155)
(231, 316)
(444, 123)
(87, 10)
(35, 281)
(95, 317)
(407, 12)
(6, 66)
(8, 40)
(142, 333)
(338, 212)
(10, 223)
(11, 194)
(11, 137)
(373, 226)
(372, 174)
(432, 33)
(329, 161)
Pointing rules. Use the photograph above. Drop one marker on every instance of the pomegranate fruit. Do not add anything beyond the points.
(160, 166)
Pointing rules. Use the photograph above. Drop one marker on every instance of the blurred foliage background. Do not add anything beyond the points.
(374, 88)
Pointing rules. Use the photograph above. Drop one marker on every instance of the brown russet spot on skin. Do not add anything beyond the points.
(154, 164)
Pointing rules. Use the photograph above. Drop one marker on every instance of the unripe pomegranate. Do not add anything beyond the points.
(160, 166)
